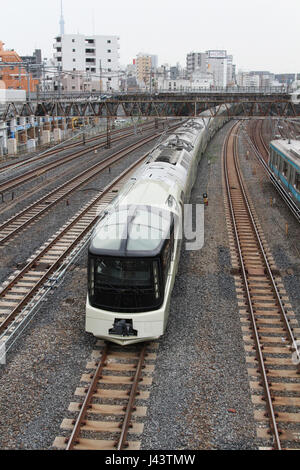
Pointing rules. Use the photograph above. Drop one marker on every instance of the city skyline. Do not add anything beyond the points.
(246, 32)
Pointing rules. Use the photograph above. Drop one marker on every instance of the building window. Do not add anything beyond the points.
(73, 40)
(109, 70)
(58, 59)
(74, 60)
(58, 49)
(108, 41)
(109, 50)
(73, 50)
(108, 60)
(58, 39)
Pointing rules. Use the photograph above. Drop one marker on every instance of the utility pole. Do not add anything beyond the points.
(44, 81)
(108, 135)
(28, 83)
(100, 76)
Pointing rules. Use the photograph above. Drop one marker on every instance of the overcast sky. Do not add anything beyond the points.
(261, 34)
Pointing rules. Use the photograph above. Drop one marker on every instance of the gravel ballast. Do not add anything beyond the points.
(200, 396)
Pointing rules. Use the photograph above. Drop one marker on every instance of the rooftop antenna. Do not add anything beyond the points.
(62, 21)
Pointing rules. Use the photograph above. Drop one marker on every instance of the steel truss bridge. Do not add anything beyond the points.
(236, 105)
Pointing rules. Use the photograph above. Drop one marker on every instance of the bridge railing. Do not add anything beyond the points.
(73, 95)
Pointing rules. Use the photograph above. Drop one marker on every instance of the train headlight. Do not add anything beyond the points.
(156, 283)
(92, 277)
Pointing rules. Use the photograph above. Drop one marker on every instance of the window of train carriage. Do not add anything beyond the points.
(297, 181)
(285, 168)
(167, 255)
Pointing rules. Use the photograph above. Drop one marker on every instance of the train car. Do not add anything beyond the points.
(284, 162)
(135, 248)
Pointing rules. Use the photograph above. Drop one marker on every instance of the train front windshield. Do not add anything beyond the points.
(124, 284)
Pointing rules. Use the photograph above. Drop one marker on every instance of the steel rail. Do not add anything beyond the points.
(133, 392)
(59, 148)
(67, 189)
(270, 407)
(25, 177)
(280, 189)
(22, 303)
(288, 329)
(73, 439)
(283, 193)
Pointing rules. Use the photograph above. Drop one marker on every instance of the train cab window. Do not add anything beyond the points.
(124, 284)
(297, 181)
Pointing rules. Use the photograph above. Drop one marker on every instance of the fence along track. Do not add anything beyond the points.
(19, 289)
(34, 211)
(268, 322)
(107, 411)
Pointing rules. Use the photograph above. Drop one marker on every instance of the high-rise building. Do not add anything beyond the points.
(196, 61)
(96, 56)
(145, 65)
(217, 64)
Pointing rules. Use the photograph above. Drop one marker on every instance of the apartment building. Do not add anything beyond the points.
(97, 56)
(145, 65)
(196, 61)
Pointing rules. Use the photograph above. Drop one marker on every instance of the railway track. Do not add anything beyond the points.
(29, 175)
(24, 288)
(35, 211)
(259, 141)
(261, 152)
(110, 400)
(268, 322)
(62, 147)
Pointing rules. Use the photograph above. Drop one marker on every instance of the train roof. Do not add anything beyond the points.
(288, 148)
(134, 230)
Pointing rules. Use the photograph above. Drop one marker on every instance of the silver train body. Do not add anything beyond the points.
(135, 247)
